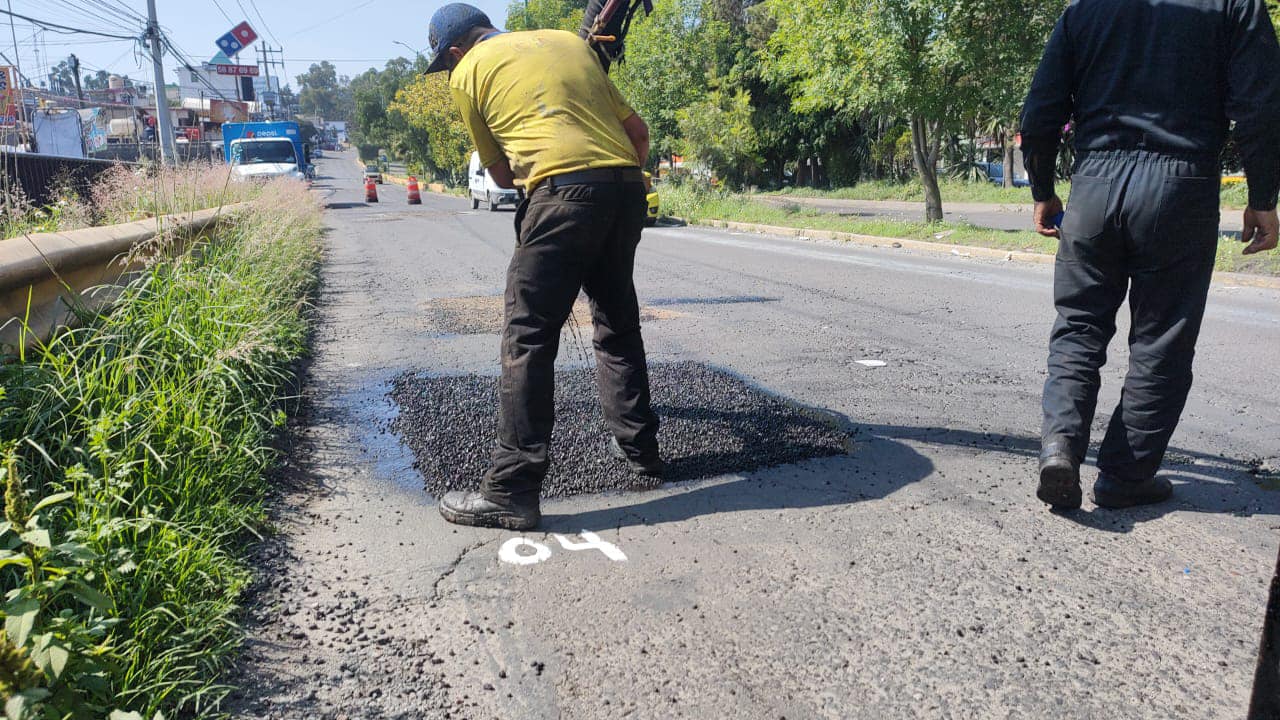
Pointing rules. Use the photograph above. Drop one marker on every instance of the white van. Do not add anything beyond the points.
(483, 188)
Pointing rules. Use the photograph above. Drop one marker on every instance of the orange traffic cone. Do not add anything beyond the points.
(415, 197)
(370, 191)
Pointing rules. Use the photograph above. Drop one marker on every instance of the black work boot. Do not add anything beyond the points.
(473, 508)
(1113, 492)
(647, 467)
(1059, 475)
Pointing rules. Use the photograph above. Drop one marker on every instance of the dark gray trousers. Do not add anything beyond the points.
(1146, 225)
(569, 238)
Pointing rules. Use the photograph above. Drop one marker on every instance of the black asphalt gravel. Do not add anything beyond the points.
(713, 423)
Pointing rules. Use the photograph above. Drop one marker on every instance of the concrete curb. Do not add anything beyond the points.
(43, 276)
(1219, 278)
(433, 188)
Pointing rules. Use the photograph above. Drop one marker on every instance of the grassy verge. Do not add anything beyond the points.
(952, 191)
(133, 453)
(1234, 195)
(693, 204)
(123, 194)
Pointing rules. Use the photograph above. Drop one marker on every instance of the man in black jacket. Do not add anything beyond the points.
(1151, 87)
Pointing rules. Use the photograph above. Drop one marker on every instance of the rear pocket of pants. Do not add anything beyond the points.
(1188, 218)
(1086, 216)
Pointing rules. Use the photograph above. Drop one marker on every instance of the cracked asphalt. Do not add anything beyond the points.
(914, 577)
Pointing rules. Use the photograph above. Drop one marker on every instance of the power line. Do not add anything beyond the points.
(339, 16)
(224, 12)
(266, 27)
(190, 67)
(88, 13)
(64, 29)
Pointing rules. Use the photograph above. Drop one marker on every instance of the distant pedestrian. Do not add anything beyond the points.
(542, 112)
(1151, 87)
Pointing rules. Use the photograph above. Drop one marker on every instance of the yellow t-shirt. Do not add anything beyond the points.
(542, 99)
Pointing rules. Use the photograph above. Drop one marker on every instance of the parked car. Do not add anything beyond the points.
(371, 172)
(482, 188)
(995, 175)
(652, 197)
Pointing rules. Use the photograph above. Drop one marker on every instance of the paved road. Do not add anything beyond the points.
(997, 216)
(915, 578)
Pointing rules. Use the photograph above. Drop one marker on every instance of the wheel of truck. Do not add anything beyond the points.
(475, 202)
(493, 204)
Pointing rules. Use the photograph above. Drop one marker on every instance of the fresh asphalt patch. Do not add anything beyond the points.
(713, 423)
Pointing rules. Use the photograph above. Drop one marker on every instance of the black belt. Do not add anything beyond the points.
(597, 175)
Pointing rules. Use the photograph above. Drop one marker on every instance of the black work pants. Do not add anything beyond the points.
(1145, 224)
(568, 238)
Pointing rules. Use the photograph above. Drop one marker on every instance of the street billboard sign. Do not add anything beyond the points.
(249, 70)
(225, 111)
(8, 97)
(237, 40)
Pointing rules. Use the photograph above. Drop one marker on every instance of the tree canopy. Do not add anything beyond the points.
(323, 93)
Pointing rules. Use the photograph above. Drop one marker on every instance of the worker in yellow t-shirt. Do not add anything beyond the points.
(544, 115)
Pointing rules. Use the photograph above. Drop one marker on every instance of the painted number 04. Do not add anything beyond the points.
(523, 551)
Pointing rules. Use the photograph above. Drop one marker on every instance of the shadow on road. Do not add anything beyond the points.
(1204, 482)
(881, 464)
(878, 467)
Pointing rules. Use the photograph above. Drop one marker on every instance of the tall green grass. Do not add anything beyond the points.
(133, 452)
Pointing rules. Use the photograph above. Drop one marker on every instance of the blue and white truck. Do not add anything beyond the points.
(264, 150)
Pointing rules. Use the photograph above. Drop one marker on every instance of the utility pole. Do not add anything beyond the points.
(268, 60)
(17, 62)
(266, 69)
(75, 72)
(164, 123)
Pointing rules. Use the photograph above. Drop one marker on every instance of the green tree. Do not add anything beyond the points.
(924, 60)
(670, 60)
(323, 93)
(545, 14)
(372, 93)
(62, 78)
(718, 133)
(427, 107)
(100, 80)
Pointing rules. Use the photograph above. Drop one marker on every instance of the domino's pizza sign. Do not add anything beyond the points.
(237, 40)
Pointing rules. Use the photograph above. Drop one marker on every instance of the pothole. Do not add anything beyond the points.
(482, 315)
(712, 423)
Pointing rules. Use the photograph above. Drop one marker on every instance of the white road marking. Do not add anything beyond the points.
(510, 552)
(593, 542)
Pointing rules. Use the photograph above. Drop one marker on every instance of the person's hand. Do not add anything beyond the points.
(1261, 228)
(1044, 214)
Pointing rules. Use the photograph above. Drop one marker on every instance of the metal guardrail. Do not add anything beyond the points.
(40, 176)
(44, 276)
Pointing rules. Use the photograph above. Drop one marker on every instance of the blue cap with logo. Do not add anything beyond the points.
(448, 26)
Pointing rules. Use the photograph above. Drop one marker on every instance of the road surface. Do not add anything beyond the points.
(916, 577)
(997, 216)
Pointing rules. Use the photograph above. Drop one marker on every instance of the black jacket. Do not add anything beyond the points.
(1161, 75)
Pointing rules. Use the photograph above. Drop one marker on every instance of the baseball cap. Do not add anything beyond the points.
(448, 25)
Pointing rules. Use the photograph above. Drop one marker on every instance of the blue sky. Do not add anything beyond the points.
(354, 35)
